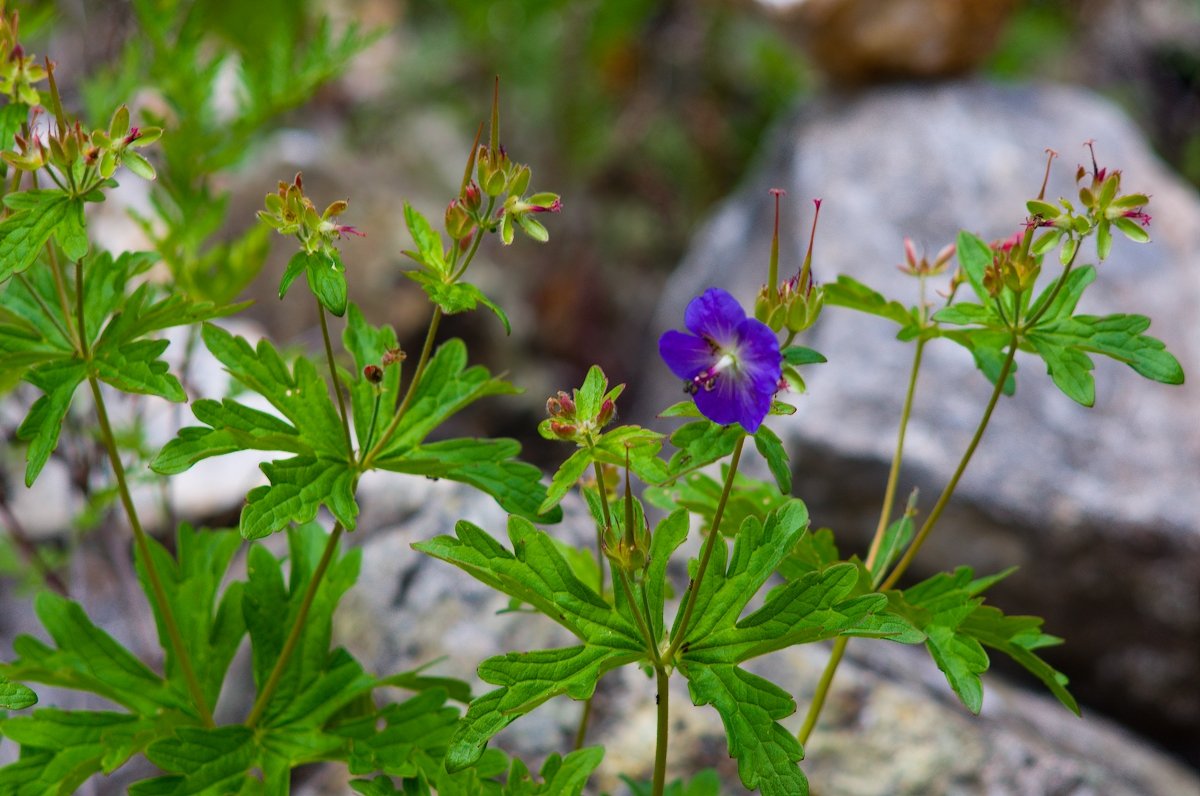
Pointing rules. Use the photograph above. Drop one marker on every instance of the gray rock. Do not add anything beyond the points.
(891, 727)
(1097, 506)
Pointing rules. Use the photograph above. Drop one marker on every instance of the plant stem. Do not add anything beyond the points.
(50, 316)
(289, 645)
(706, 554)
(585, 717)
(333, 375)
(889, 493)
(603, 490)
(139, 534)
(944, 499)
(426, 350)
(139, 538)
(662, 698)
(818, 700)
(61, 288)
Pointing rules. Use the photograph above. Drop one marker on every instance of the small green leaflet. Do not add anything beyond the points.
(14, 696)
(849, 292)
(538, 575)
(948, 608)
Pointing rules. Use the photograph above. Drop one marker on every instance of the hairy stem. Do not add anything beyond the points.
(706, 554)
(603, 490)
(143, 546)
(289, 645)
(944, 499)
(333, 375)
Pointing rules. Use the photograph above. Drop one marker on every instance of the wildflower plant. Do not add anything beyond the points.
(72, 313)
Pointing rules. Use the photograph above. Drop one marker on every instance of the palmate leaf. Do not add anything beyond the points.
(536, 573)
(217, 759)
(456, 297)
(321, 473)
(821, 603)
(948, 608)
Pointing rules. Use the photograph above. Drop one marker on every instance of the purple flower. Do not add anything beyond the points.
(730, 363)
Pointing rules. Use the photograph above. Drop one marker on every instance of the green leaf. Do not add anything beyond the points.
(61, 749)
(700, 494)
(234, 428)
(24, 234)
(456, 297)
(700, 443)
(566, 476)
(327, 280)
(71, 232)
(88, 659)
(371, 402)
(849, 292)
(300, 395)
(1017, 637)
(297, 265)
(202, 759)
(211, 628)
(1118, 337)
(771, 448)
(299, 486)
(41, 428)
(1069, 368)
(489, 465)
(561, 776)
(136, 368)
(429, 243)
(797, 355)
(965, 314)
(975, 256)
(667, 536)
(1063, 299)
(750, 708)
(528, 679)
(758, 549)
(14, 696)
(315, 683)
(896, 538)
(446, 387)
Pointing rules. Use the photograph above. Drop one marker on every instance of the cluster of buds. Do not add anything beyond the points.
(1104, 207)
(793, 304)
(566, 422)
(290, 212)
(1013, 265)
(18, 72)
(82, 159)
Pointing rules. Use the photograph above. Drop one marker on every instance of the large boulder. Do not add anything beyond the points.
(1097, 506)
(892, 726)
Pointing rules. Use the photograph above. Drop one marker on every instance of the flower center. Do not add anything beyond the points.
(707, 379)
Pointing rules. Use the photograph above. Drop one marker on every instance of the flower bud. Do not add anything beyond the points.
(458, 221)
(608, 410)
(373, 374)
(563, 430)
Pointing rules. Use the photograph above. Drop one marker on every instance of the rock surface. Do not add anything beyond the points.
(892, 726)
(1097, 506)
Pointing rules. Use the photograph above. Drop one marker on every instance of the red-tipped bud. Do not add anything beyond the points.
(373, 374)
(568, 405)
(563, 430)
(608, 410)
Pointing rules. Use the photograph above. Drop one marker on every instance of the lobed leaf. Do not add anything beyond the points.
(24, 234)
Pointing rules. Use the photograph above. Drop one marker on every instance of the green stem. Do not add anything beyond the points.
(67, 336)
(706, 554)
(889, 493)
(944, 499)
(584, 718)
(1062, 280)
(662, 698)
(289, 645)
(818, 700)
(426, 350)
(603, 489)
(337, 383)
(139, 538)
(60, 287)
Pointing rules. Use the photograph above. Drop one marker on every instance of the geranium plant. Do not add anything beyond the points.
(73, 314)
